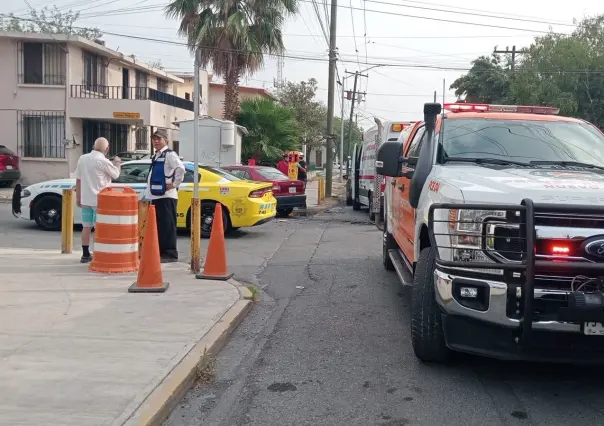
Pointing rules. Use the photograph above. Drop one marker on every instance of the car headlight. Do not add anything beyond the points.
(466, 236)
(25, 193)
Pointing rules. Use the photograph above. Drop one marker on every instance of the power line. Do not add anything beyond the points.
(318, 59)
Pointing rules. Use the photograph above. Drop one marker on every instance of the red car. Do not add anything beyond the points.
(289, 193)
(9, 167)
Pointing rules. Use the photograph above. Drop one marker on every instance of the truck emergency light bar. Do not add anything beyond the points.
(502, 108)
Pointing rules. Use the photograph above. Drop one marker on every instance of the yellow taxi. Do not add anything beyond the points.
(244, 203)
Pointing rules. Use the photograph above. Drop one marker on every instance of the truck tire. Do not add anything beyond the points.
(356, 205)
(427, 334)
(371, 213)
(388, 243)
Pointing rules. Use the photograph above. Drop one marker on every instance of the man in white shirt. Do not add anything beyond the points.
(165, 175)
(93, 173)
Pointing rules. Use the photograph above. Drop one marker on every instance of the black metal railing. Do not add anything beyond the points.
(121, 92)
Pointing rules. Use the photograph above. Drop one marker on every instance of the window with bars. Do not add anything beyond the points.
(42, 134)
(42, 63)
(95, 73)
(142, 82)
(116, 134)
(162, 85)
(142, 139)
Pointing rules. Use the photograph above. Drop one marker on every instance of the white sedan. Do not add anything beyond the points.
(42, 201)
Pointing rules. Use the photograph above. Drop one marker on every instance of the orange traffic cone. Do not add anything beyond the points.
(215, 267)
(150, 279)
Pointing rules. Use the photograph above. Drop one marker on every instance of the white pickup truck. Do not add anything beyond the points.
(495, 217)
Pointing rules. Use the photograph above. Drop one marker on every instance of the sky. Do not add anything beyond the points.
(412, 47)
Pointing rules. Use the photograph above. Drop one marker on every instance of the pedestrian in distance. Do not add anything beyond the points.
(302, 170)
(283, 165)
(165, 175)
(93, 173)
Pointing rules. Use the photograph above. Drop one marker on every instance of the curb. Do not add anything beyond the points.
(311, 211)
(160, 403)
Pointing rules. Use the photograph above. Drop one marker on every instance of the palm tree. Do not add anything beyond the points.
(272, 129)
(233, 36)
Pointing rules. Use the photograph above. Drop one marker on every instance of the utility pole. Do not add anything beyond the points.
(342, 133)
(352, 101)
(195, 203)
(330, 94)
(507, 51)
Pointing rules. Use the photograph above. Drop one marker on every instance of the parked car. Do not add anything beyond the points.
(9, 167)
(289, 193)
(134, 155)
(245, 204)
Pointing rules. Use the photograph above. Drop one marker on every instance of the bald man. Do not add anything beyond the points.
(93, 173)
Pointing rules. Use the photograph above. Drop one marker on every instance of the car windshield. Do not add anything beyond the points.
(220, 172)
(523, 140)
(271, 174)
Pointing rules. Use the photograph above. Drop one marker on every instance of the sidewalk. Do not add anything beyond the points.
(312, 195)
(77, 349)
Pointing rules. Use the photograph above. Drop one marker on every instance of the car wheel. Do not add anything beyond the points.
(371, 213)
(207, 220)
(356, 205)
(388, 243)
(284, 212)
(47, 213)
(427, 335)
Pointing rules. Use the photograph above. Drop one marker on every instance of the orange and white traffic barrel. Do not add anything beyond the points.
(116, 231)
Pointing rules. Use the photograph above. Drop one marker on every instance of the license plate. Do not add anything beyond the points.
(593, 329)
(292, 189)
(9, 167)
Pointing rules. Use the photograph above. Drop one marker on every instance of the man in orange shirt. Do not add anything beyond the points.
(283, 165)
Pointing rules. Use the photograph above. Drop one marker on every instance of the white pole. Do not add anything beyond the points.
(342, 133)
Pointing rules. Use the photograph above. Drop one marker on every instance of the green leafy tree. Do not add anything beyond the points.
(309, 112)
(357, 134)
(49, 21)
(272, 130)
(232, 36)
(486, 82)
(557, 70)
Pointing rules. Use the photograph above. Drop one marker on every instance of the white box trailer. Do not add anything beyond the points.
(219, 141)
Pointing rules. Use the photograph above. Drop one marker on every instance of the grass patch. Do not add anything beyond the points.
(254, 291)
(206, 369)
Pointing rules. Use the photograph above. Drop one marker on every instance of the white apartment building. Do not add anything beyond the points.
(59, 93)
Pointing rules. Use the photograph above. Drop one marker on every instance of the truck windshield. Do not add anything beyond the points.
(523, 141)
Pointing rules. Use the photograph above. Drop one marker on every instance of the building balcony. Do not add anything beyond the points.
(128, 105)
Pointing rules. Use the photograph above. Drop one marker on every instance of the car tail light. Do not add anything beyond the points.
(276, 187)
(259, 193)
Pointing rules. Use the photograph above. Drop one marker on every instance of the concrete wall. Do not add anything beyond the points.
(216, 101)
(15, 97)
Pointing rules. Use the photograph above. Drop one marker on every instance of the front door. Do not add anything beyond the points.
(405, 214)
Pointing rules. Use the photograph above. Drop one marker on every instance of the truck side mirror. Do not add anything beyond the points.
(389, 159)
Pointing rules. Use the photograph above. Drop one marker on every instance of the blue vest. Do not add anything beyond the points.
(157, 182)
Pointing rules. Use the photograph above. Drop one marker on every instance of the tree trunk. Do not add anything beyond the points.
(231, 96)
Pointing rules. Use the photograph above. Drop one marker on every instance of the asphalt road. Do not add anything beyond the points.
(329, 343)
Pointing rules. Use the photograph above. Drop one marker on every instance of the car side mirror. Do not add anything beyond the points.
(389, 159)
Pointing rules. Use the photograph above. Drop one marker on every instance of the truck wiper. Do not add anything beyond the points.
(565, 164)
(497, 161)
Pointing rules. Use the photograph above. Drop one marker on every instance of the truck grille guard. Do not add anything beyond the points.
(444, 217)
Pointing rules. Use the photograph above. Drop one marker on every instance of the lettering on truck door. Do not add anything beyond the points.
(405, 229)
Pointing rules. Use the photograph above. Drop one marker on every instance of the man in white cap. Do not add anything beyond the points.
(165, 175)
(93, 173)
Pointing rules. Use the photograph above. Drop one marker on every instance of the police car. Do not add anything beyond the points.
(245, 204)
(494, 216)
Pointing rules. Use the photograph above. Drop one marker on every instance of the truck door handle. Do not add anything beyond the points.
(402, 187)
